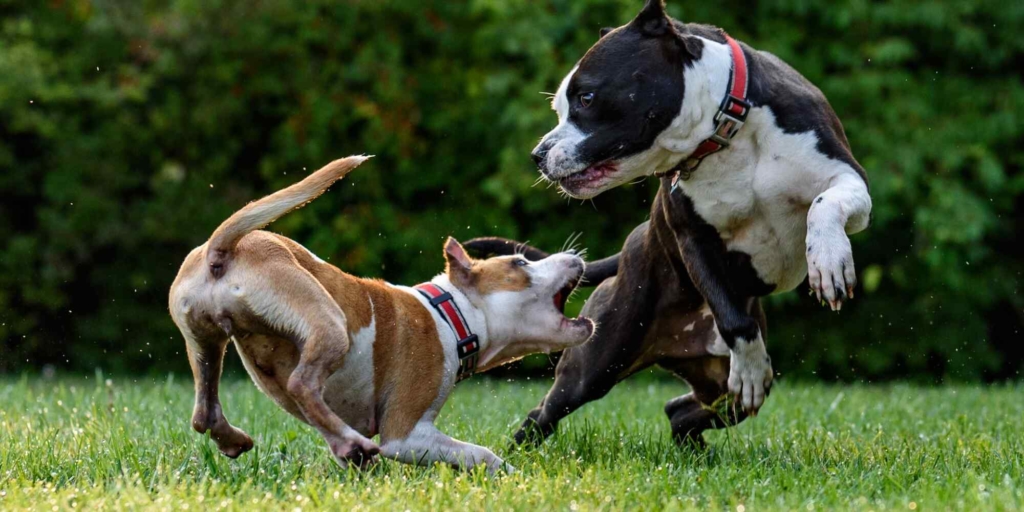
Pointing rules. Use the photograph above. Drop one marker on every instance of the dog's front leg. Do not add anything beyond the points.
(843, 209)
(703, 254)
(206, 357)
(426, 445)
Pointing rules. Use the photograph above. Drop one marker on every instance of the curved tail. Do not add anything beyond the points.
(258, 214)
(596, 272)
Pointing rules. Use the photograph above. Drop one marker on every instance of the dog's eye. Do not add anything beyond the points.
(520, 262)
(586, 99)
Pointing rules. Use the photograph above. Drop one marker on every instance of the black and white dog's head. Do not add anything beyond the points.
(614, 105)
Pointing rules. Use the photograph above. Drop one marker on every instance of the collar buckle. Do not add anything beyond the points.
(730, 118)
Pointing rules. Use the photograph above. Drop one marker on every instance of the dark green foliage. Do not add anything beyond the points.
(129, 130)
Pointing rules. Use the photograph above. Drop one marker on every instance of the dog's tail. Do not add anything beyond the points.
(596, 272)
(258, 214)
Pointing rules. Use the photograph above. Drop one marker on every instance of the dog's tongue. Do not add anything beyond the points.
(558, 301)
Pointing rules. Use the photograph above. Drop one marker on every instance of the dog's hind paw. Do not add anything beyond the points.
(356, 450)
(236, 448)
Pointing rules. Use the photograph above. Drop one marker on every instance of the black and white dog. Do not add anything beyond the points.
(759, 189)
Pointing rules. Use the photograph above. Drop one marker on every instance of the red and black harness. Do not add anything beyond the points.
(468, 345)
(731, 115)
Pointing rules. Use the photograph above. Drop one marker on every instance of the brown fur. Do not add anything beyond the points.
(294, 318)
(499, 274)
(485, 276)
(408, 357)
(407, 367)
(292, 333)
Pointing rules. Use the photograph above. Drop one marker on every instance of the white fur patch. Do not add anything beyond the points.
(716, 345)
(349, 391)
(426, 445)
(311, 253)
(757, 192)
(561, 159)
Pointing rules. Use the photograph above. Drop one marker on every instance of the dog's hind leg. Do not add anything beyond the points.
(206, 357)
(206, 338)
(294, 302)
(706, 406)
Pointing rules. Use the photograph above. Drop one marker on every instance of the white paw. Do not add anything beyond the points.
(750, 373)
(830, 269)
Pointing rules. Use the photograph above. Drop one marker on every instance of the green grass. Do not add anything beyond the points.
(127, 444)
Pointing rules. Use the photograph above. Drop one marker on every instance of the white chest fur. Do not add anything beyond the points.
(757, 193)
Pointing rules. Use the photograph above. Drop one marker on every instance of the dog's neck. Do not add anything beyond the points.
(706, 82)
(476, 320)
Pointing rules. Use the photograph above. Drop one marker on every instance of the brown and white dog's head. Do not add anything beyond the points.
(523, 302)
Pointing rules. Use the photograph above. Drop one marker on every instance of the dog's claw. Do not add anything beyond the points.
(830, 269)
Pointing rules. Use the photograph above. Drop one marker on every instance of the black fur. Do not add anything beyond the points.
(673, 265)
(632, 104)
(664, 277)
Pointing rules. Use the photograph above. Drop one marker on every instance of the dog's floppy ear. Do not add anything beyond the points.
(458, 263)
(653, 20)
(605, 31)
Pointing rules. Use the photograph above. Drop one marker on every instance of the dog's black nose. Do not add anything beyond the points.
(538, 156)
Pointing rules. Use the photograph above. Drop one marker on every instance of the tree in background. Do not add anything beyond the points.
(129, 130)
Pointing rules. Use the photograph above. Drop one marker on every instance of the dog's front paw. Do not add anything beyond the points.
(830, 269)
(503, 467)
(750, 373)
(354, 449)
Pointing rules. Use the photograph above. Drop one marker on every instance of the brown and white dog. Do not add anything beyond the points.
(357, 357)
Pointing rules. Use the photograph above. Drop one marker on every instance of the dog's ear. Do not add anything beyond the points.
(692, 46)
(458, 263)
(653, 20)
(605, 31)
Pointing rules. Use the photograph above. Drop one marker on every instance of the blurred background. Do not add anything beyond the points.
(129, 129)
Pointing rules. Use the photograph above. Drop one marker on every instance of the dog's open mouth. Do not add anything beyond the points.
(561, 298)
(588, 177)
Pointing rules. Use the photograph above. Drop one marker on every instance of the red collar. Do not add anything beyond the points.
(731, 115)
(468, 345)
